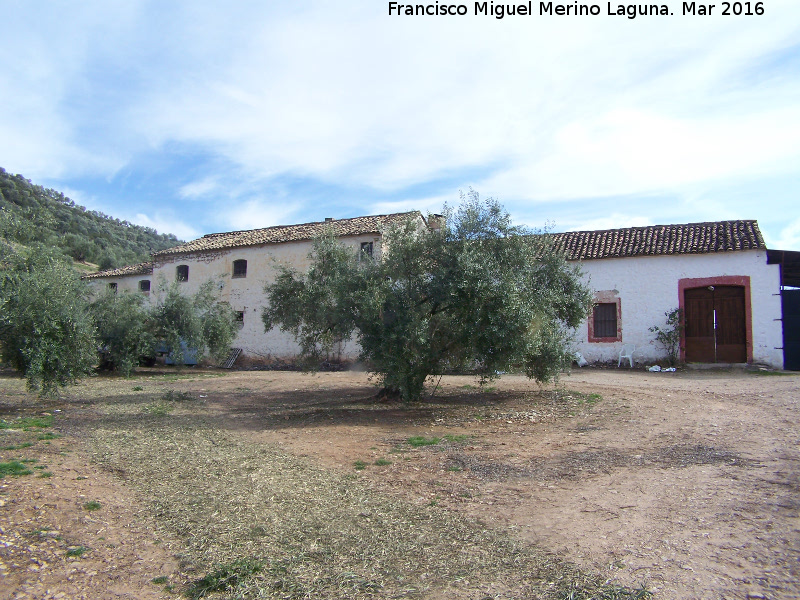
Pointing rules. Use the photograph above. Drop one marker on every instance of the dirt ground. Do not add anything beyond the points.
(686, 482)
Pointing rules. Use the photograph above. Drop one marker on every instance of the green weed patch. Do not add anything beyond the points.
(28, 423)
(13, 468)
(417, 441)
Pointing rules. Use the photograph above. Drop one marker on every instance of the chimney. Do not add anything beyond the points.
(328, 219)
(435, 221)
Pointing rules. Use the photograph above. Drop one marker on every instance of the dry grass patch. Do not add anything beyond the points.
(256, 522)
(574, 465)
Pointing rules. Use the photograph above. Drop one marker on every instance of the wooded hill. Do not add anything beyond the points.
(31, 214)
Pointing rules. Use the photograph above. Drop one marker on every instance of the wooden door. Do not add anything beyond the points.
(698, 306)
(716, 327)
(791, 329)
(731, 326)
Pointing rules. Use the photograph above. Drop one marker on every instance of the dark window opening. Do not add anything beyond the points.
(182, 273)
(240, 318)
(605, 320)
(144, 285)
(240, 268)
(366, 249)
(112, 287)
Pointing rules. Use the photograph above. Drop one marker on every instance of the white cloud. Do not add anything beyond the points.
(200, 188)
(432, 204)
(551, 108)
(630, 151)
(167, 224)
(256, 213)
(561, 109)
(787, 239)
(617, 220)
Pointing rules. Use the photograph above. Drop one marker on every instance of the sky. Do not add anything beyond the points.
(193, 118)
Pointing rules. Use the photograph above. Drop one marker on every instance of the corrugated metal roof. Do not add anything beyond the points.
(287, 233)
(659, 240)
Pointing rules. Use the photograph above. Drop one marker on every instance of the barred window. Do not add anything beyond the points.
(240, 268)
(605, 320)
(182, 273)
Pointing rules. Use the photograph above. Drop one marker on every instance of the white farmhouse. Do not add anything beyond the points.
(717, 273)
(242, 262)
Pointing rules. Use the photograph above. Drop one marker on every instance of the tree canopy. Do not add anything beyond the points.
(200, 322)
(46, 331)
(32, 214)
(53, 335)
(129, 328)
(125, 330)
(477, 294)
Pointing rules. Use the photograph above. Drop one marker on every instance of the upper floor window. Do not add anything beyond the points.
(240, 268)
(182, 273)
(112, 287)
(144, 286)
(366, 249)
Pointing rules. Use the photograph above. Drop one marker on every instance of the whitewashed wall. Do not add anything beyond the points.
(648, 287)
(246, 294)
(129, 283)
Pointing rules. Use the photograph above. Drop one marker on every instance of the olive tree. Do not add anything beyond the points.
(46, 331)
(201, 321)
(124, 328)
(477, 294)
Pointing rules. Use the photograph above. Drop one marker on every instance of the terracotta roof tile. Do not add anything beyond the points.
(656, 240)
(140, 269)
(286, 233)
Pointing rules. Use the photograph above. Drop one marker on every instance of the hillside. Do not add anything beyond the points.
(30, 213)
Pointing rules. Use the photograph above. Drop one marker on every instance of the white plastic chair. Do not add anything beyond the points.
(626, 353)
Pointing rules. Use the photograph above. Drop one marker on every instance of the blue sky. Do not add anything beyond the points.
(193, 118)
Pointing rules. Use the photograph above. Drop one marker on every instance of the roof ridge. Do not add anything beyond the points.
(135, 269)
(663, 225)
(210, 235)
(660, 240)
(212, 242)
(703, 237)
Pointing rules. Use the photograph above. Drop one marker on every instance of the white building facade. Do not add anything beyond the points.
(241, 263)
(717, 273)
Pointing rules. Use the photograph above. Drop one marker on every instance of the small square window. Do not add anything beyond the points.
(144, 286)
(182, 273)
(112, 287)
(240, 268)
(366, 249)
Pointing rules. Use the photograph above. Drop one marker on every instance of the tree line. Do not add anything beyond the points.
(31, 214)
(54, 335)
(476, 294)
